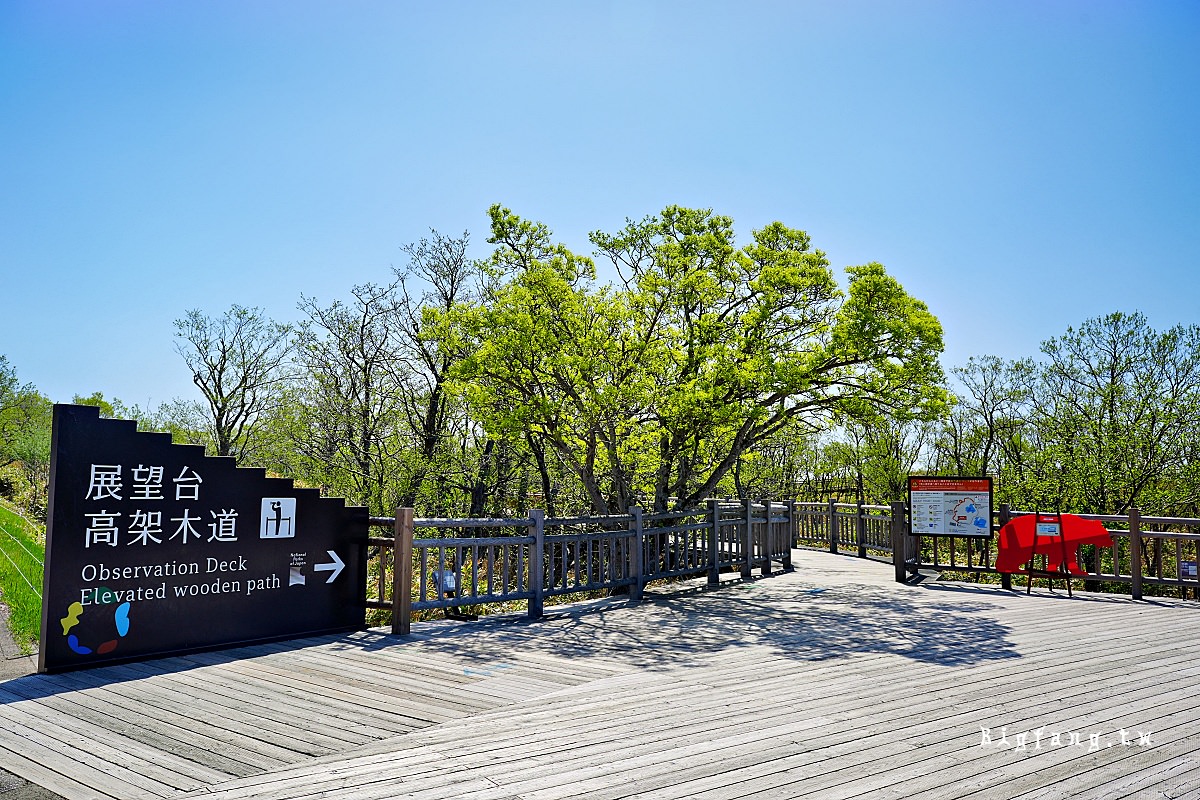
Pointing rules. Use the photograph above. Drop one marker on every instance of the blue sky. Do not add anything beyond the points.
(1020, 166)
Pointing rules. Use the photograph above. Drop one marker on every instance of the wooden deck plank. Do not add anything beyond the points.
(1177, 777)
(929, 771)
(189, 721)
(102, 725)
(68, 726)
(268, 715)
(829, 682)
(690, 714)
(33, 768)
(677, 761)
(291, 708)
(576, 785)
(346, 705)
(108, 770)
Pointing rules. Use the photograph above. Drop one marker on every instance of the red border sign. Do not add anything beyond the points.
(949, 506)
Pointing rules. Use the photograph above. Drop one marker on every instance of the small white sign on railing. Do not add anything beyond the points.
(1049, 529)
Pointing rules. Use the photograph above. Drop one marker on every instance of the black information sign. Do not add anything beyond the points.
(154, 548)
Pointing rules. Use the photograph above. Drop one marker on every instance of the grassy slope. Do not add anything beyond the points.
(21, 576)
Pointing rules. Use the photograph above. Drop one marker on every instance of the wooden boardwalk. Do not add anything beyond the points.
(828, 682)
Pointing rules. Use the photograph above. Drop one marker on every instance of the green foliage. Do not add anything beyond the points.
(1115, 409)
(663, 385)
(22, 552)
(710, 366)
(1105, 422)
(350, 393)
(26, 419)
(878, 455)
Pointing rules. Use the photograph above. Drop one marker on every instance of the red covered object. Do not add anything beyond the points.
(1016, 541)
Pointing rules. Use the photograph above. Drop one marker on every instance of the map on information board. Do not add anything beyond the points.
(950, 506)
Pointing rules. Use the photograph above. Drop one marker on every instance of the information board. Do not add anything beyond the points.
(154, 548)
(950, 506)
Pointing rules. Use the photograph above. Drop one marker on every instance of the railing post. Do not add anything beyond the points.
(748, 540)
(1135, 552)
(1005, 518)
(402, 549)
(636, 562)
(765, 565)
(791, 535)
(833, 525)
(714, 542)
(860, 530)
(899, 543)
(537, 562)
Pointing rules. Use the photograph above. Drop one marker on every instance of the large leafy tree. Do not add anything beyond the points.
(540, 365)
(660, 385)
(744, 342)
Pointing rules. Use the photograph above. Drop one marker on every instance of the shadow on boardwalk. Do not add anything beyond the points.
(673, 627)
(789, 617)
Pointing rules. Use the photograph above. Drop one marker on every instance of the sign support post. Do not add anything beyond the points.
(1049, 526)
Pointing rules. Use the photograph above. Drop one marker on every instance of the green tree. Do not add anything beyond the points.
(537, 366)
(25, 428)
(661, 385)
(1105, 422)
(438, 277)
(239, 361)
(880, 454)
(781, 466)
(351, 394)
(743, 343)
(1116, 406)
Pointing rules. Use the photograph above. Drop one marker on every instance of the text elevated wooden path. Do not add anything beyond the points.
(828, 682)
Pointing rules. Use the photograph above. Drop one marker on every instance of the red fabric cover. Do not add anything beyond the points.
(1016, 542)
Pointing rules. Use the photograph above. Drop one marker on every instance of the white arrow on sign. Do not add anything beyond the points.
(334, 566)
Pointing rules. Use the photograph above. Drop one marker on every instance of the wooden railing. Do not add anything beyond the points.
(477, 562)
(857, 528)
(1146, 551)
(443, 564)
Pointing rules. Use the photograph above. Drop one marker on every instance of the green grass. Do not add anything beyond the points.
(21, 558)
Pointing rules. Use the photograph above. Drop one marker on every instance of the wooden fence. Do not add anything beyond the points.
(1146, 551)
(857, 528)
(449, 563)
(431, 564)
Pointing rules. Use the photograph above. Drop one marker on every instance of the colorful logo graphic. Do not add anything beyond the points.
(73, 617)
